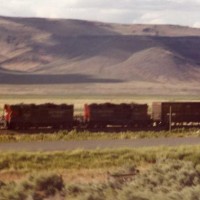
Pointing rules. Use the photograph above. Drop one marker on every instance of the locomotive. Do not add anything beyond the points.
(98, 116)
(24, 116)
(124, 115)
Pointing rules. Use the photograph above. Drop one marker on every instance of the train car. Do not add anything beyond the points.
(103, 115)
(176, 113)
(23, 116)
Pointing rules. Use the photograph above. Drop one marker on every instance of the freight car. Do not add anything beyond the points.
(177, 114)
(23, 116)
(124, 115)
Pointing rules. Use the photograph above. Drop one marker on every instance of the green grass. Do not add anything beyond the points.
(87, 135)
(168, 173)
(94, 159)
(38, 187)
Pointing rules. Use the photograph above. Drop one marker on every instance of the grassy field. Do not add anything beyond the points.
(87, 135)
(94, 159)
(154, 173)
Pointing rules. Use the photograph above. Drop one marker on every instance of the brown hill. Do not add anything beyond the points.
(44, 51)
(157, 64)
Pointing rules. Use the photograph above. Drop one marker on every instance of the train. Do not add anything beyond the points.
(165, 115)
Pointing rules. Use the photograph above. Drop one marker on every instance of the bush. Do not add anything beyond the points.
(12, 191)
(47, 185)
(2, 184)
(169, 179)
(37, 188)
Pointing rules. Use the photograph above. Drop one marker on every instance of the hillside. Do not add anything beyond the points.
(49, 51)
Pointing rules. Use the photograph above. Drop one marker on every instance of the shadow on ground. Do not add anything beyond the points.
(52, 79)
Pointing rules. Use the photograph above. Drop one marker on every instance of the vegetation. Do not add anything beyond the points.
(161, 173)
(12, 136)
(36, 187)
(166, 180)
(90, 159)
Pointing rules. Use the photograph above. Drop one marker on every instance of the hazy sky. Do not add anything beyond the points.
(182, 12)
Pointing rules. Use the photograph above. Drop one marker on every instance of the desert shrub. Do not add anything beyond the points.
(74, 190)
(131, 196)
(12, 191)
(2, 184)
(168, 179)
(189, 193)
(85, 191)
(4, 164)
(93, 196)
(47, 185)
(36, 188)
(197, 167)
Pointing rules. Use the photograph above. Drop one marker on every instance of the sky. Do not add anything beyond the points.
(179, 12)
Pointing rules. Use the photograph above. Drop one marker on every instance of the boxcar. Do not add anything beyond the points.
(102, 115)
(177, 113)
(22, 116)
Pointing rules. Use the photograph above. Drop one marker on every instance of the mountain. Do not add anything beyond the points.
(61, 51)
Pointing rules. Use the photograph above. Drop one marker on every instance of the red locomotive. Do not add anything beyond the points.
(23, 116)
(126, 115)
